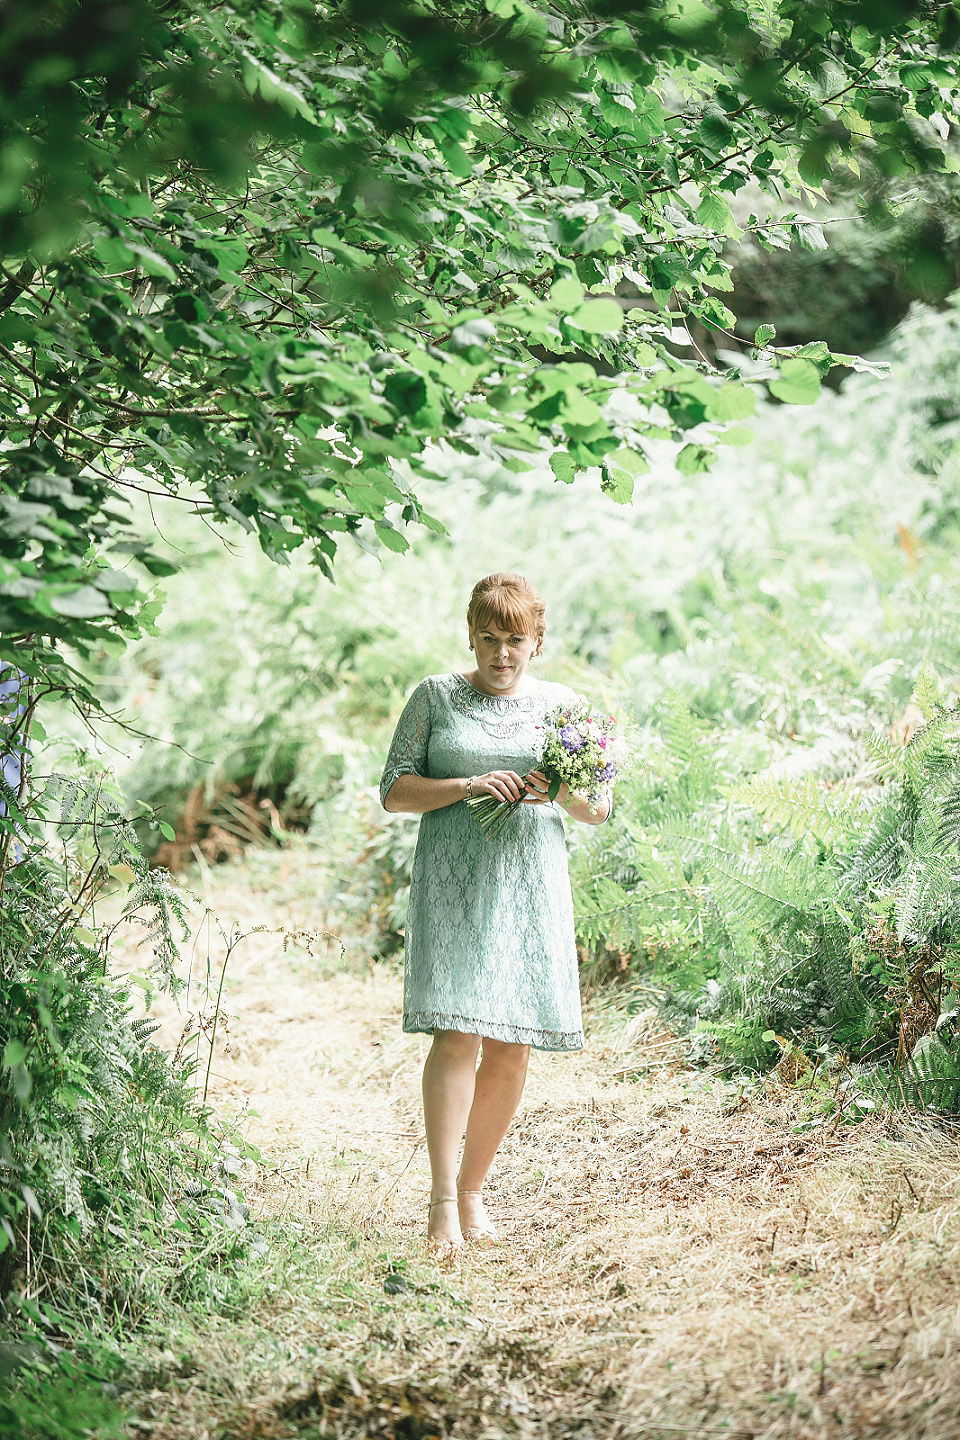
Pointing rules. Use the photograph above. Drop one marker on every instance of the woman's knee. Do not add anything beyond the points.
(454, 1045)
(505, 1055)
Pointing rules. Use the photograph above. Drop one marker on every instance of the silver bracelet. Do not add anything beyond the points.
(470, 787)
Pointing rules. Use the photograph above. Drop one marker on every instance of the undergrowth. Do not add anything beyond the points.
(118, 1185)
(817, 913)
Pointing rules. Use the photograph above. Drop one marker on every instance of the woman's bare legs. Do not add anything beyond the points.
(449, 1077)
(458, 1096)
(497, 1089)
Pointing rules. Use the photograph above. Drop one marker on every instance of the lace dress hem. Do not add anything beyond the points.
(425, 1022)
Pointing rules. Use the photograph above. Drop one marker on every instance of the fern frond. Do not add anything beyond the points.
(883, 851)
(143, 1029)
(885, 757)
(806, 806)
(773, 877)
(927, 891)
(929, 753)
(928, 693)
(607, 910)
(948, 829)
(931, 1077)
(164, 906)
(683, 735)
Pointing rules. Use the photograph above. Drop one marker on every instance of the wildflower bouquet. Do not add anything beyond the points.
(579, 750)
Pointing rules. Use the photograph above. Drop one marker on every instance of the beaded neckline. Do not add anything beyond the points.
(502, 716)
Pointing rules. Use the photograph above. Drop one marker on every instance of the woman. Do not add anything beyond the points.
(490, 958)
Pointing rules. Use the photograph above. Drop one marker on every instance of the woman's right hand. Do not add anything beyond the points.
(501, 784)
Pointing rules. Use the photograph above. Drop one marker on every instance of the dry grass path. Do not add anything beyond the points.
(676, 1261)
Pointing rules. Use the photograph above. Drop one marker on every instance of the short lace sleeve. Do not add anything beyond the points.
(408, 748)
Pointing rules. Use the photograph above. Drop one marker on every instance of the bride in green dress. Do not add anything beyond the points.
(490, 962)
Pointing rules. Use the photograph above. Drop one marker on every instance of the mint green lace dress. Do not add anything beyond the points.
(489, 946)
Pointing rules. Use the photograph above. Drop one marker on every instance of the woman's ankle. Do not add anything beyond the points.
(466, 1187)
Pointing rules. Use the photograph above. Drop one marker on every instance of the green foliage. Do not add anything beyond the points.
(783, 919)
(60, 1401)
(932, 1076)
(386, 866)
(86, 1105)
(270, 683)
(103, 1146)
(851, 292)
(330, 272)
(261, 255)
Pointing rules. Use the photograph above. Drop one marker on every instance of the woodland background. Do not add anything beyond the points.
(312, 315)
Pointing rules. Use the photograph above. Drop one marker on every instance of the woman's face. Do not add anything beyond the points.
(502, 657)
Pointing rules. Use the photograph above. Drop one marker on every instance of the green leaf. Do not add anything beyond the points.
(714, 213)
(598, 317)
(814, 164)
(406, 391)
(151, 263)
(715, 314)
(810, 236)
(112, 581)
(797, 384)
(763, 335)
(563, 467)
(67, 1096)
(231, 256)
(736, 436)
(114, 254)
(634, 462)
(693, 458)
(83, 603)
(458, 161)
(566, 293)
(14, 1056)
(391, 538)
(478, 331)
(732, 401)
(167, 831)
(617, 484)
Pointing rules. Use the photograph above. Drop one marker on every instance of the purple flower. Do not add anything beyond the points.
(571, 739)
(608, 771)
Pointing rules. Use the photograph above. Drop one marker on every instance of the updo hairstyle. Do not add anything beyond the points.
(507, 602)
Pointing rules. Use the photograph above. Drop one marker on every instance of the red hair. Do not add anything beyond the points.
(507, 602)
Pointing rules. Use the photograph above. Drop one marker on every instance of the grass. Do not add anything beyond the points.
(679, 1257)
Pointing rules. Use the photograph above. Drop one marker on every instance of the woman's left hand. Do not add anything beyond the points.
(537, 787)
